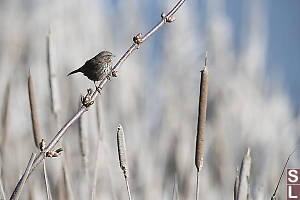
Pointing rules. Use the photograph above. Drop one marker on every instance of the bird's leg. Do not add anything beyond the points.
(86, 100)
(97, 87)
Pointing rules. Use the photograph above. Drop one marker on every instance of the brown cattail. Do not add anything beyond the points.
(35, 125)
(244, 186)
(201, 117)
(122, 151)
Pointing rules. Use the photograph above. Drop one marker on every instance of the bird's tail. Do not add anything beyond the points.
(75, 71)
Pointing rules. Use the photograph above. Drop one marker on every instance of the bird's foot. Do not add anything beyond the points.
(97, 88)
(86, 100)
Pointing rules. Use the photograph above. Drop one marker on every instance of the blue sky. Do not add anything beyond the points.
(283, 46)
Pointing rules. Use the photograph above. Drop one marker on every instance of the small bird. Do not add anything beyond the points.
(97, 68)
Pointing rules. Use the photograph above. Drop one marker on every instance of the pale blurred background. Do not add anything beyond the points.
(253, 59)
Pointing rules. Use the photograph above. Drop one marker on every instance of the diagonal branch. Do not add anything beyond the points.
(137, 41)
(17, 192)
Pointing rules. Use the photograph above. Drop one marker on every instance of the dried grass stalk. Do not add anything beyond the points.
(35, 125)
(244, 186)
(17, 192)
(4, 117)
(66, 177)
(122, 156)
(55, 103)
(99, 119)
(83, 139)
(122, 151)
(236, 185)
(48, 190)
(94, 186)
(201, 117)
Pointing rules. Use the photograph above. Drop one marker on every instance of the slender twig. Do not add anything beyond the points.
(34, 118)
(201, 123)
(17, 192)
(134, 46)
(274, 194)
(123, 157)
(48, 190)
(128, 188)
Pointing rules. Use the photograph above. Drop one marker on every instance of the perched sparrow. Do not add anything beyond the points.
(98, 67)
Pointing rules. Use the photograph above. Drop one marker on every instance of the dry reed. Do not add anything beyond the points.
(99, 143)
(201, 122)
(4, 118)
(83, 142)
(48, 190)
(66, 177)
(236, 185)
(122, 156)
(244, 178)
(54, 92)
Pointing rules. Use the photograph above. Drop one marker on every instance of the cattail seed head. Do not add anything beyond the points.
(122, 151)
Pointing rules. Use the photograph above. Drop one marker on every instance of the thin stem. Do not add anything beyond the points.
(274, 194)
(128, 189)
(198, 187)
(94, 187)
